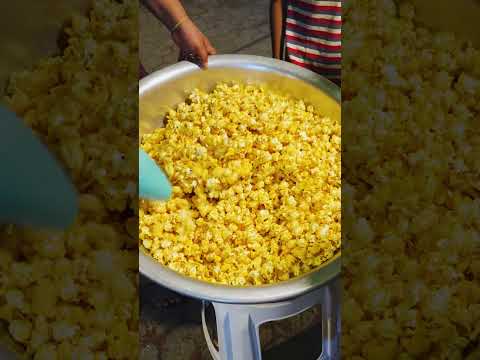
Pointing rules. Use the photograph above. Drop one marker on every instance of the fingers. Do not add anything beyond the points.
(202, 54)
(194, 46)
(210, 49)
(197, 57)
(204, 51)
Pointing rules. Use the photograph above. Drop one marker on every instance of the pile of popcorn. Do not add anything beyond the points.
(411, 188)
(76, 292)
(256, 187)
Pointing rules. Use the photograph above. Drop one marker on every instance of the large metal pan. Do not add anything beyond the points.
(241, 310)
(168, 87)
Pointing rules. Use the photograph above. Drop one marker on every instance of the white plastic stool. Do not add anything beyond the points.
(238, 324)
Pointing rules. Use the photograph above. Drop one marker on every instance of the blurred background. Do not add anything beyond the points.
(23, 45)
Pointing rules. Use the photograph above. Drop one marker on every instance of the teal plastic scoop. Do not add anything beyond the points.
(153, 184)
(34, 190)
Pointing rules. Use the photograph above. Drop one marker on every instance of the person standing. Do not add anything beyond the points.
(308, 33)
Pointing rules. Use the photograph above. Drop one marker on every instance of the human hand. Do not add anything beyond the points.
(34, 190)
(193, 44)
(153, 184)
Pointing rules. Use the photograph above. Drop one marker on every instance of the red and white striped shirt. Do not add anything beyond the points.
(313, 36)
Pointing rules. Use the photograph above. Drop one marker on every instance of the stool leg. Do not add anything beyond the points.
(331, 321)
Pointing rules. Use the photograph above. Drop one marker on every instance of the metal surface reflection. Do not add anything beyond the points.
(168, 87)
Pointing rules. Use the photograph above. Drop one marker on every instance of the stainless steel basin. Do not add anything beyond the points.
(168, 87)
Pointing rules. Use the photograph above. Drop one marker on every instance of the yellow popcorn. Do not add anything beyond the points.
(44, 298)
(46, 352)
(251, 170)
(20, 330)
(410, 187)
(40, 333)
(351, 312)
(83, 105)
(379, 350)
(16, 299)
(61, 330)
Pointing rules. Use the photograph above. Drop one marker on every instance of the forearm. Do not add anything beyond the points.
(170, 12)
(276, 22)
(192, 43)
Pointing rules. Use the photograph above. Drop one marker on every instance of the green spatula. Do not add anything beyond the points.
(34, 190)
(153, 184)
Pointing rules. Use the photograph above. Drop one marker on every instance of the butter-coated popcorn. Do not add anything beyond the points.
(410, 187)
(61, 291)
(20, 330)
(256, 187)
(46, 352)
